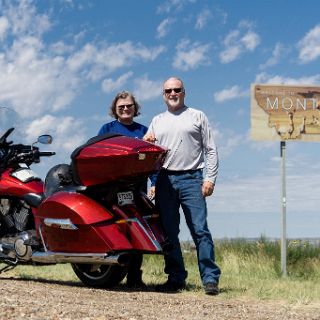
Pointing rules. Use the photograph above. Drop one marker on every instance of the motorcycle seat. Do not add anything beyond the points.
(33, 199)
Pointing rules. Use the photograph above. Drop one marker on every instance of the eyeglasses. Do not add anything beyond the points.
(129, 106)
(176, 90)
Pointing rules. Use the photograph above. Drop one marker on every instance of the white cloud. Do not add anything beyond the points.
(173, 5)
(261, 193)
(238, 42)
(237, 195)
(230, 144)
(278, 79)
(276, 55)
(309, 45)
(24, 19)
(231, 93)
(37, 77)
(82, 58)
(250, 40)
(164, 27)
(146, 89)
(60, 48)
(67, 132)
(109, 85)
(33, 82)
(96, 61)
(190, 55)
(203, 18)
(4, 26)
(261, 145)
(230, 54)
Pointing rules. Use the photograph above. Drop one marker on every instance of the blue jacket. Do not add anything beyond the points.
(134, 130)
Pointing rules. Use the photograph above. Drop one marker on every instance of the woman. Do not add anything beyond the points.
(124, 108)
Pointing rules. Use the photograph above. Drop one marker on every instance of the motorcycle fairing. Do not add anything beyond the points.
(77, 207)
(14, 187)
(95, 228)
(25, 175)
(94, 233)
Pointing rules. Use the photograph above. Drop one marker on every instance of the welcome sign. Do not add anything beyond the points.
(283, 112)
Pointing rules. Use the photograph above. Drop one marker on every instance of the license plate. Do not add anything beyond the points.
(125, 198)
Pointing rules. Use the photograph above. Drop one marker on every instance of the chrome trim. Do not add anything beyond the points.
(147, 217)
(89, 258)
(151, 216)
(60, 223)
(154, 242)
(42, 240)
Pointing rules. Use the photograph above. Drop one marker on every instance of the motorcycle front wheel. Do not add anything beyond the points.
(99, 276)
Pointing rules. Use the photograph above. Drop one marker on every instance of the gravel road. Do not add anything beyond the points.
(28, 299)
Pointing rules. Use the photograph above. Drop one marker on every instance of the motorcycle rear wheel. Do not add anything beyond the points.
(99, 276)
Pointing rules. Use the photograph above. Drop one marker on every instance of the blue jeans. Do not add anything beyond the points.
(183, 188)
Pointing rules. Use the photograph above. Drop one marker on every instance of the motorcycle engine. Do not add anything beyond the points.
(16, 240)
(14, 215)
(18, 246)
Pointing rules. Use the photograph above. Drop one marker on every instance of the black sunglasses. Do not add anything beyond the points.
(125, 105)
(176, 90)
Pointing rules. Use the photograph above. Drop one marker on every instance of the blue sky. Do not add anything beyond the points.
(62, 62)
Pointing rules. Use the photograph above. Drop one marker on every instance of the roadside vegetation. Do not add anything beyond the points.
(253, 270)
(250, 270)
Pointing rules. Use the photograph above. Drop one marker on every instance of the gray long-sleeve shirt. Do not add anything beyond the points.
(188, 136)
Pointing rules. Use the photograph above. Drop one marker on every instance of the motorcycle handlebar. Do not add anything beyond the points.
(46, 154)
(26, 154)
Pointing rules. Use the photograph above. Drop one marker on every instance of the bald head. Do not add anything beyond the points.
(173, 93)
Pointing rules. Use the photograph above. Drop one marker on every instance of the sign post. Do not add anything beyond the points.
(284, 211)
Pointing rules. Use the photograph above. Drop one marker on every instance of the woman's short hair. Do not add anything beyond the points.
(124, 95)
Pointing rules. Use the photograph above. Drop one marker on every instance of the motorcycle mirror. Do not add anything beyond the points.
(45, 139)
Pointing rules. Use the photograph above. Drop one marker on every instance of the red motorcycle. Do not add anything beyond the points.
(91, 213)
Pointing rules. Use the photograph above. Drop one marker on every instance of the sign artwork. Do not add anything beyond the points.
(283, 112)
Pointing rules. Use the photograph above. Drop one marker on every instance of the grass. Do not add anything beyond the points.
(250, 270)
(253, 269)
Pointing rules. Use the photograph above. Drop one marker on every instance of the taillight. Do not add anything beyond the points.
(151, 148)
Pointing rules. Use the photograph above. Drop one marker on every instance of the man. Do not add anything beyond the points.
(187, 134)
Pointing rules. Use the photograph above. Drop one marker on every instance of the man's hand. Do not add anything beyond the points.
(207, 188)
(150, 138)
(151, 192)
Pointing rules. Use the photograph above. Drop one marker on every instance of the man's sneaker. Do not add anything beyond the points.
(171, 286)
(211, 288)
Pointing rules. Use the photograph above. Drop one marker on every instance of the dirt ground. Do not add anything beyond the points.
(28, 299)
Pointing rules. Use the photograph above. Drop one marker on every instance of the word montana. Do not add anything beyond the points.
(291, 104)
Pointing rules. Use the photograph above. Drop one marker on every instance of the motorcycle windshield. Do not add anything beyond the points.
(8, 119)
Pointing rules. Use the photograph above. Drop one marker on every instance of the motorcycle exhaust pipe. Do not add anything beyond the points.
(121, 259)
